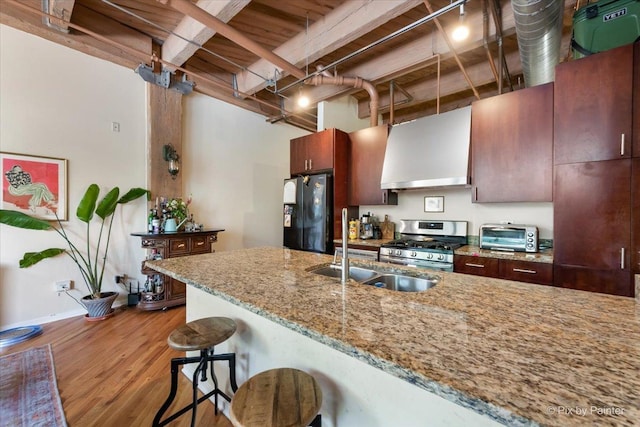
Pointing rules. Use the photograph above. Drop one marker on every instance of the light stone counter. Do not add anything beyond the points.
(520, 354)
(543, 256)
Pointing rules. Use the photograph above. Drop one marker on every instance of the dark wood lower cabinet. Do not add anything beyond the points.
(526, 271)
(592, 226)
(614, 282)
(164, 291)
(521, 271)
(478, 266)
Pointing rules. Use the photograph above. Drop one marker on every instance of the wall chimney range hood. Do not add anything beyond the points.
(428, 152)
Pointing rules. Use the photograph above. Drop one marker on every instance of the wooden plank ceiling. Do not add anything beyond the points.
(255, 53)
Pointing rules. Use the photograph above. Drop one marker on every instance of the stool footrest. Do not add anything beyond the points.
(206, 356)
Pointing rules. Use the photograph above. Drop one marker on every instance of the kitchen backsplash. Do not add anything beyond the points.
(458, 207)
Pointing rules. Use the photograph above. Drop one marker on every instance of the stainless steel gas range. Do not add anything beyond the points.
(426, 244)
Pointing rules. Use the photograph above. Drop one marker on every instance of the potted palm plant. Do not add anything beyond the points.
(90, 261)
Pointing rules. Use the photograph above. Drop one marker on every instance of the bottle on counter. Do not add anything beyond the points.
(353, 229)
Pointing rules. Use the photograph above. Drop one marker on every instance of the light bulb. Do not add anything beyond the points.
(303, 101)
(461, 32)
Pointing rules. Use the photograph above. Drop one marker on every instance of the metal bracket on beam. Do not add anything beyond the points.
(164, 79)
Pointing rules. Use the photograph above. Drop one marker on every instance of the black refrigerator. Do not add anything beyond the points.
(307, 214)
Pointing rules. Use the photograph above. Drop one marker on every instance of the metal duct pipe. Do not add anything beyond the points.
(357, 82)
(539, 31)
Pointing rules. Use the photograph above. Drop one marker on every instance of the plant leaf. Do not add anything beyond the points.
(108, 203)
(133, 194)
(20, 220)
(30, 258)
(88, 203)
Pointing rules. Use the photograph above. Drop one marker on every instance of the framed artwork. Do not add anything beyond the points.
(434, 204)
(34, 185)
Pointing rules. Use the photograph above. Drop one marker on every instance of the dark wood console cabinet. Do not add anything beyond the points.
(167, 291)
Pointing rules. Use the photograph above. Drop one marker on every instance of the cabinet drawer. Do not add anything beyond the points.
(200, 244)
(179, 247)
(479, 266)
(525, 271)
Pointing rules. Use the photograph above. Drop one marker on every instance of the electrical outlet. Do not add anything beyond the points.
(63, 285)
(115, 127)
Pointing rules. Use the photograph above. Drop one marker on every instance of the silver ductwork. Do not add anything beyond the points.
(539, 31)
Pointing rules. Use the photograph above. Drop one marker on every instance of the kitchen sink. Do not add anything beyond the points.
(394, 282)
(397, 282)
(358, 274)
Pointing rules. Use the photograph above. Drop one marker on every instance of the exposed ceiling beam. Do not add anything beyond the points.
(450, 83)
(61, 9)
(176, 50)
(411, 56)
(341, 26)
(190, 9)
(25, 18)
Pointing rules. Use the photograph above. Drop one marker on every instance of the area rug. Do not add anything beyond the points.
(28, 390)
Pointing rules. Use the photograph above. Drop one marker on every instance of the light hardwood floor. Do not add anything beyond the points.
(116, 372)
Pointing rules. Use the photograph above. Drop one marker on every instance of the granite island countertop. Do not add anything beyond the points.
(520, 354)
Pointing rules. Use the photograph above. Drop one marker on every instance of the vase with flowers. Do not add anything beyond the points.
(177, 210)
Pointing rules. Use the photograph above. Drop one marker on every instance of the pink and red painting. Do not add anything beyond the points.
(34, 185)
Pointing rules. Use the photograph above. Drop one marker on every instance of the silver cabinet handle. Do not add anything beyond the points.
(622, 258)
(181, 245)
(306, 164)
(199, 243)
(310, 164)
(622, 144)
(468, 264)
(384, 198)
(522, 270)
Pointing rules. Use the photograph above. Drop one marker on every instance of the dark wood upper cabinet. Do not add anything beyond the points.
(636, 101)
(314, 153)
(593, 107)
(366, 155)
(512, 146)
(635, 210)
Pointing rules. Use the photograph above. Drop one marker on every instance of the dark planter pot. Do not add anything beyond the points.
(99, 307)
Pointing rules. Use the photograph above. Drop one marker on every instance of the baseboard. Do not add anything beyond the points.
(55, 317)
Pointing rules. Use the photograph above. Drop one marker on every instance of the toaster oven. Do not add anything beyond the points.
(509, 237)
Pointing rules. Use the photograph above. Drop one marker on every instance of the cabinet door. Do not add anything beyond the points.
(320, 150)
(526, 271)
(636, 101)
(174, 289)
(366, 155)
(592, 107)
(512, 146)
(592, 225)
(635, 210)
(479, 266)
(299, 162)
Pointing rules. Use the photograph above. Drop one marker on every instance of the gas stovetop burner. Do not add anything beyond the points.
(422, 244)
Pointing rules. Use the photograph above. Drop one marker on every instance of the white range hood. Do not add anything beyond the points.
(429, 152)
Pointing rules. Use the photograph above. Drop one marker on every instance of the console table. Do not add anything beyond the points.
(166, 291)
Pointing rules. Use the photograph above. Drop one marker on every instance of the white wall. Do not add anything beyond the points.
(57, 102)
(458, 207)
(234, 165)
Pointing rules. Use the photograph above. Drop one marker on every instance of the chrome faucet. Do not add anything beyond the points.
(344, 277)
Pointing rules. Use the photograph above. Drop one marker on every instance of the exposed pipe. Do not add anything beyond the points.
(503, 67)
(438, 88)
(199, 14)
(539, 31)
(453, 51)
(355, 82)
(144, 55)
(386, 38)
(485, 41)
(392, 101)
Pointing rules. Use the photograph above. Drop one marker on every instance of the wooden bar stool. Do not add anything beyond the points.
(283, 397)
(202, 335)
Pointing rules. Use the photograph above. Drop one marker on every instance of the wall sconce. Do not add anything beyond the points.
(169, 155)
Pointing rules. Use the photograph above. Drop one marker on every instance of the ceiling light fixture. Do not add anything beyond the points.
(461, 32)
(303, 99)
